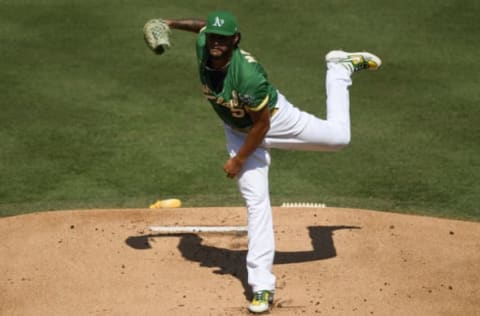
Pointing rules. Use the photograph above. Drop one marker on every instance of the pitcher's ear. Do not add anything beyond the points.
(238, 37)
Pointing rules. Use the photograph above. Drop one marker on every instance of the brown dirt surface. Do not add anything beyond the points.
(329, 261)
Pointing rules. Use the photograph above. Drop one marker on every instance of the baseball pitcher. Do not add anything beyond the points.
(258, 117)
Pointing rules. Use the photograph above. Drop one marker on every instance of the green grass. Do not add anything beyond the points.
(91, 119)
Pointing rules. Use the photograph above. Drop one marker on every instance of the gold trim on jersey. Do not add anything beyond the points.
(260, 106)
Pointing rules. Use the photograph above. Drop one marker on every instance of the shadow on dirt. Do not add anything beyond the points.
(232, 262)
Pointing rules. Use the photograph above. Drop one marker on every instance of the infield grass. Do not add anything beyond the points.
(90, 118)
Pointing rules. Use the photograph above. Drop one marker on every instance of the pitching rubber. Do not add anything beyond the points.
(197, 229)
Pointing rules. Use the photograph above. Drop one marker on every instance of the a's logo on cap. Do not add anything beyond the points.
(218, 22)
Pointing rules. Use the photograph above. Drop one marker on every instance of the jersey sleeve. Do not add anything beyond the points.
(200, 46)
(254, 94)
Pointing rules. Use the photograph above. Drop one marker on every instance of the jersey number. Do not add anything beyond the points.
(237, 112)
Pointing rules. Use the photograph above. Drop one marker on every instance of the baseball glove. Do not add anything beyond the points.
(157, 35)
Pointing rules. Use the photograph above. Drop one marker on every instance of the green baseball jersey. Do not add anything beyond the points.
(245, 86)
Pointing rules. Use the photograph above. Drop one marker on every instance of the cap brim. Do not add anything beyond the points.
(219, 32)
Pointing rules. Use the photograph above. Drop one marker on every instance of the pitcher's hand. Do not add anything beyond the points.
(233, 166)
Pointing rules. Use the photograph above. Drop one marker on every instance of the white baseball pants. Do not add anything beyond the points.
(290, 129)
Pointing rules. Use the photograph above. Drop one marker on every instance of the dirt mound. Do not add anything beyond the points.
(328, 262)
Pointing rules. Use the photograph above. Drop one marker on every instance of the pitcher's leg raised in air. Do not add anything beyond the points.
(294, 129)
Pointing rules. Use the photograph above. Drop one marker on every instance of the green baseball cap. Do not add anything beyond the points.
(222, 23)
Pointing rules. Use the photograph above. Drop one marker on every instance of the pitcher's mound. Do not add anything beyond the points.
(328, 262)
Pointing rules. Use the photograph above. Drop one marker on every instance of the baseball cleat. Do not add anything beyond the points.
(354, 61)
(261, 301)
